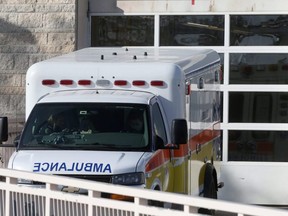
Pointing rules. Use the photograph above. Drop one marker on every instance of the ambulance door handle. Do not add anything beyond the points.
(198, 148)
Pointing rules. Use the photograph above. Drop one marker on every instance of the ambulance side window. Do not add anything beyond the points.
(158, 123)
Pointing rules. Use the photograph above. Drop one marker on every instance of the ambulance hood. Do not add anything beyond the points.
(76, 162)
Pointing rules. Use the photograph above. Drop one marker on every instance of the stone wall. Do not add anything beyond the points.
(30, 31)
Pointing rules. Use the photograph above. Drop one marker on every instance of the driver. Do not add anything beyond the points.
(135, 122)
(55, 123)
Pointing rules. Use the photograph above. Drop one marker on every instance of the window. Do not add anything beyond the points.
(269, 146)
(87, 126)
(200, 30)
(122, 31)
(259, 68)
(158, 124)
(258, 107)
(258, 30)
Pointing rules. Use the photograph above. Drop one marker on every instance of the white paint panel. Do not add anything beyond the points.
(171, 6)
(255, 183)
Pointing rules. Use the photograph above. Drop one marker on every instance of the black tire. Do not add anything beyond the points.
(210, 188)
(210, 191)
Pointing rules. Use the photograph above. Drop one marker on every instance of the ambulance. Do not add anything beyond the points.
(143, 117)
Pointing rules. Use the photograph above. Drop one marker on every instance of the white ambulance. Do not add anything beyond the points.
(145, 117)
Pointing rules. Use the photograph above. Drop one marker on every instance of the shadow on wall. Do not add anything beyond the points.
(14, 35)
(16, 44)
(24, 44)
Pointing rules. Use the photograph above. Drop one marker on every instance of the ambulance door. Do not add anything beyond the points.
(160, 132)
(194, 125)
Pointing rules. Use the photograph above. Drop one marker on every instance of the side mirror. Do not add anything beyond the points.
(3, 129)
(179, 131)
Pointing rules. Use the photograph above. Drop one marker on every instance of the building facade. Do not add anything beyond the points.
(30, 31)
(251, 37)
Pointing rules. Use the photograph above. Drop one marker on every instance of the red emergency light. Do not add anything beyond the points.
(66, 82)
(84, 82)
(158, 83)
(120, 82)
(187, 89)
(48, 82)
(138, 83)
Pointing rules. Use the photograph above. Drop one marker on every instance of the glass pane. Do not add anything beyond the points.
(258, 146)
(122, 31)
(258, 30)
(258, 107)
(258, 68)
(87, 126)
(200, 30)
(158, 123)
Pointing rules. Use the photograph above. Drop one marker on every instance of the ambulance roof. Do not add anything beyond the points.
(188, 59)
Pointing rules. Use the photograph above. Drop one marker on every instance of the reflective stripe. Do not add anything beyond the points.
(204, 137)
(161, 157)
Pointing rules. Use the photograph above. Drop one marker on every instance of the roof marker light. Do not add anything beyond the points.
(138, 83)
(157, 83)
(120, 82)
(66, 82)
(48, 82)
(187, 89)
(84, 82)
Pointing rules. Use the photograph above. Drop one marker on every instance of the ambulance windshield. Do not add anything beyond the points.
(87, 126)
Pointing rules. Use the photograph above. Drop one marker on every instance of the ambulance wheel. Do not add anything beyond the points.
(210, 188)
(211, 191)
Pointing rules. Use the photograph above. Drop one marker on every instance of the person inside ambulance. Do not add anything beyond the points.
(135, 122)
(86, 125)
(55, 123)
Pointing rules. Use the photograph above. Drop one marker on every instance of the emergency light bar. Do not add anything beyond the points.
(156, 83)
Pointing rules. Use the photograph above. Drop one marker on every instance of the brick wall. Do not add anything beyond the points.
(30, 31)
